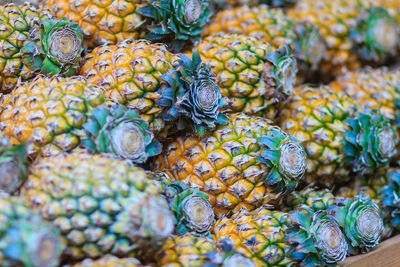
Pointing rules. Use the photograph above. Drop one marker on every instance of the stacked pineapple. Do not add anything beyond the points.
(175, 133)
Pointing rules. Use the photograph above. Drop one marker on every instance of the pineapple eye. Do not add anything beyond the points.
(128, 141)
(192, 11)
(65, 45)
(207, 97)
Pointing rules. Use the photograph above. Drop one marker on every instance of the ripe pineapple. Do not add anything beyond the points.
(109, 261)
(373, 89)
(101, 205)
(162, 86)
(356, 31)
(13, 166)
(45, 113)
(338, 140)
(32, 42)
(275, 27)
(175, 22)
(25, 238)
(227, 166)
(254, 77)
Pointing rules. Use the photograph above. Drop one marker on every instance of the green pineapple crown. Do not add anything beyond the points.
(25, 238)
(370, 143)
(192, 96)
(120, 131)
(177, 22)
(55, 47)
(191, 207)
(316, 238)
(13, 166)
(361, 220)
(286, 157)
(390, 194)
(377, 35)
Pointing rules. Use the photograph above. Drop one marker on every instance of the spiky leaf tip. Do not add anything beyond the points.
(55, 47)
(120, 131)
(285, 156)
(361, 220)
(193, 95)
(177, 22)
(370, 143)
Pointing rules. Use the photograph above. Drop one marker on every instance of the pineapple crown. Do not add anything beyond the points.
(191, 94)
(370, 143)
(286, 157)
(176, 21)
(376, 35)
(316, 238)
(120, 131)
(361, 220)
(13, 166)
(55, 47)
(390, 194)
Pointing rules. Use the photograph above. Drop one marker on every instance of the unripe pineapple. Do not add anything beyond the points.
(25, 238)
(356, 31)
(276, 28)
(160, 85)
(338, 140)
(109, 261)
(255, 78)
(32, 42)
(101, 205)
(227, 166)
(46, 112)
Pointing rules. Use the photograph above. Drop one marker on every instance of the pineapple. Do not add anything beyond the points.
(192, 251)
(373, 89)
(176, 22)
(13, 166)
(109, 261)
(32, 42)
(119, 131)
(162, 86)
(246, 163)
(275, 27)
(25, 238)
(389, 201)
(356, 31)
(338, 140)
(254, 77)
(44, 113)
(191, 207)
(101, 205)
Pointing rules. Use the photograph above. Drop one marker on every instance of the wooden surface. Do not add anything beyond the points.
(387, 254)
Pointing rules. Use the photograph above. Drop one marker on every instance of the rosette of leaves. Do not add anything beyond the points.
(191, 207)
(176, 22)
(361, 220)
(316, 238)
(55, 47)
(192, 96)
(370, 143)
(120, 131)
(13, 166)
(286, 157)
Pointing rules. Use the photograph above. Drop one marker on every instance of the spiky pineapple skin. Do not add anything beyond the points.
(102, 22)
(99, 204)
(245, 75)
(317, 117)
(373, 89)
(130, 73)
(224, 165)
(45, 112)
(16, 23)
(258, 234)
(109, 261)
(185, 251)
